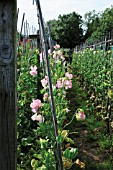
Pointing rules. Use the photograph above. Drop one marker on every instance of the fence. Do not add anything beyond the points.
(105, 43)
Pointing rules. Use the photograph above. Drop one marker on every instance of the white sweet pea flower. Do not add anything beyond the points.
(38, 118)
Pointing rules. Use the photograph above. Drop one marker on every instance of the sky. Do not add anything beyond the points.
(51, 9)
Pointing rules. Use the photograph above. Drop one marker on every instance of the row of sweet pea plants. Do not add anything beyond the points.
(94, 70)
(61, 81)
(36, 131)
(26, 87)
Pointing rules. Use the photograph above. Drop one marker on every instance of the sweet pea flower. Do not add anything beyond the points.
(57, 61)
(35, 105)
(33, 71)
(34, 117)
(41, 56)
(45, 96)
(80, 115)
(38, 118)
(70, 76)
(59, 94)
(68, 84)
(44, 81)
(59, 53)
(54, 54)
(49, 51)
(64, 92)
(52, 64)
(57, 46)
(59, 84)
(53, 87)
(67, 110)
(62, 58)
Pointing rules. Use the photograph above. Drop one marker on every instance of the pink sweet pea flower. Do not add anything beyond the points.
(64, 92)
(33, 71)
(59, 53)
(62, 58)
(80, 115)
(54, 54)
(35, 105)
(68, 84)
(70, 76)
(59, 84)
(45, 96)
(49, 51)
(57, 46)
(44, 81)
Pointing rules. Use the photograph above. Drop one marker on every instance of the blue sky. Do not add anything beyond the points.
(52, 8)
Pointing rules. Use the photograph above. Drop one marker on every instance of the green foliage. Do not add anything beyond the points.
(70, 153)
(93, 71)
(36, 140)
(67, 30)
(92, 21)
(98, 24)
(26, 87)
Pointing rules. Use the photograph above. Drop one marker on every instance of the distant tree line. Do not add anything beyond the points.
(68, 29)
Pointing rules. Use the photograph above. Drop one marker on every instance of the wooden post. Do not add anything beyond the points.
(8, 17)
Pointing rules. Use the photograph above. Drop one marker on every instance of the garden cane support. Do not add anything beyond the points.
(50, 84)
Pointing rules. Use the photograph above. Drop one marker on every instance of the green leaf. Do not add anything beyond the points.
(60, 139)
(26, 141)
(70, 153)
(34, 163)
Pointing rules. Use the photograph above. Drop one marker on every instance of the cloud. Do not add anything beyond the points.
(51, 9)
(30, 13)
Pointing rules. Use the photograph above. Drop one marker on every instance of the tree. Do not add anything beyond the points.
(67, 30)
(99, 24)
(92, 22)
(107, 20)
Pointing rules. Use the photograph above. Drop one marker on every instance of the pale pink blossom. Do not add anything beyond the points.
(54, 55)
(52, 64)
(62, 58)
(64, 92)
(80, 115)
(59, 53)
(45, 96)
(57, 46)
(68, 84)
(49, 51)
(44, 81)
(59, 84)
(59, 94)
(38, 118)
(35, 105)
(57, 61)
(70, 76)
(33, 71)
